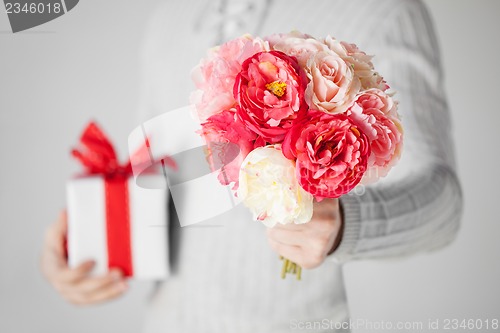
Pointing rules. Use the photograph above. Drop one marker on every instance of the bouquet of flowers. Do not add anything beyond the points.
(289, 119)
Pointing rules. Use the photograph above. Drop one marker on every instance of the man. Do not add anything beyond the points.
(226, 279)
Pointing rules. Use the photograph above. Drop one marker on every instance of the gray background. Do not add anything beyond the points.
(84, 65)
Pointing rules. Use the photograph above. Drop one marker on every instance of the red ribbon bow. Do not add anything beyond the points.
(98, 156)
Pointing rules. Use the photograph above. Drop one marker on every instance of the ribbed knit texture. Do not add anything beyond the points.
(225, 276)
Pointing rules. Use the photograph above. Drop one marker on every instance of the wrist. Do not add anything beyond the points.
(338, 238)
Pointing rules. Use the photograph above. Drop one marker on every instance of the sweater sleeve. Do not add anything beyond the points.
(418, 206)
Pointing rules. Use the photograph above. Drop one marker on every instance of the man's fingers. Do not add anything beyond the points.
(109, 292)
(51, 263)
(62, 222)
(56, 234)
(91, 290)
(105, 293)
(55, 259)
(308, 244)
(74, 275)
(285, 236)
(91, 285)
(76, 284)
(290, 252)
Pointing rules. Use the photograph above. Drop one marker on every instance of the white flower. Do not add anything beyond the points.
(268, 187)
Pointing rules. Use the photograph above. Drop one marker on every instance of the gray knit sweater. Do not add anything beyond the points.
(225, 276)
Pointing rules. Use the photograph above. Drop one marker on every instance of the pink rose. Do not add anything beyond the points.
(359, 61)
(270, 90)
(214, 76)
(375, 113)
(331, 152)
(333, 85)
(296, 44)
(228, 142)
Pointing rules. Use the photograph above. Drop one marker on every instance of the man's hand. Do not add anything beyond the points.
(308, 244)
(75, 284)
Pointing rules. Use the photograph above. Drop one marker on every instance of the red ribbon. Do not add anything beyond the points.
(98, 157)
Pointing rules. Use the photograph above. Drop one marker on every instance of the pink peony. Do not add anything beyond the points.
(331, 152)
(214, 76)
(228, 143)
(270, 90)
(377, 99)
(375, 114)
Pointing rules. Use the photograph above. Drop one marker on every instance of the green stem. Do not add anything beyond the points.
(290, 267)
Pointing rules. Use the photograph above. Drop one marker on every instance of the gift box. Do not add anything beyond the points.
(111, 219)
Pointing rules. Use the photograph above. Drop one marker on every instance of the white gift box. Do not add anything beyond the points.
(87, 226)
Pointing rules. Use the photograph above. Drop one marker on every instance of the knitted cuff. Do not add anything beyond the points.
(351, 218)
